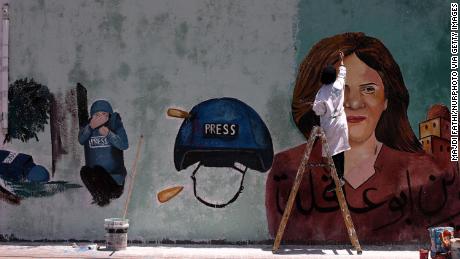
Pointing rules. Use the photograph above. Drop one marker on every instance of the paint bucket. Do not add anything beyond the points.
(436, 243)
(455, 248)
(423, 254)
(116, 237)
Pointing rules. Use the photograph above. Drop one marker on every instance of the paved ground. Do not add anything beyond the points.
(34, 250)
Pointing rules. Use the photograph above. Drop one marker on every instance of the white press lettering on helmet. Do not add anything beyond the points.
(220, 129)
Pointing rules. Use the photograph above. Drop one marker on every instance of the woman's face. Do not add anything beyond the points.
(364, 99)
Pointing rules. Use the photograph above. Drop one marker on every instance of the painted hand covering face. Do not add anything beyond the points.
(102, 114)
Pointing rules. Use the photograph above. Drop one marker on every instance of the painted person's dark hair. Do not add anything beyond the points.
(328, 75)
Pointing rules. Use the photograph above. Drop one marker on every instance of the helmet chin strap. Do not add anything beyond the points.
(213, 205)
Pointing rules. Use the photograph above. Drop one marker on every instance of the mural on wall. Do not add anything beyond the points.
(28, 109)
(57, 129)
(220, 133)
(434, 135)
(68, 114)
(394, 189)
(250, 50)
(167, 194)
(31, 105)
(28, 112)
(104, 139)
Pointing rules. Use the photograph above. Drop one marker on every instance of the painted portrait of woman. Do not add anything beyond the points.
(393, 188)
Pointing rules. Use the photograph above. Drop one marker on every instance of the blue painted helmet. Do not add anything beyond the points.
(220, 132)
(38, 174)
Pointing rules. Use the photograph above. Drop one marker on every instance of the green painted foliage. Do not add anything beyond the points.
(28, 109)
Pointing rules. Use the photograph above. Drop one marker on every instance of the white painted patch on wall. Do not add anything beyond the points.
(4, 71)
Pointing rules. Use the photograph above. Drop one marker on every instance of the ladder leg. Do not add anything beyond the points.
(317, 132)
(295, 189)
(342, 202)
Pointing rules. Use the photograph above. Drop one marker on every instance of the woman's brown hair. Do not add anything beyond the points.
(393, 128)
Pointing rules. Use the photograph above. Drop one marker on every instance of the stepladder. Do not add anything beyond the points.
(317, 132)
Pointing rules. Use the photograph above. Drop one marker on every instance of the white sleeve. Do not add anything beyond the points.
(340, 81)
(342, 72)
(319, 105)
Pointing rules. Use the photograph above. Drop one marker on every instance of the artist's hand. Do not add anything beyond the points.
(341, 57)
(104, 131)
(97, 120)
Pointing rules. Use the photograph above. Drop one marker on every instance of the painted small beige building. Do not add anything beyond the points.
(435, 133)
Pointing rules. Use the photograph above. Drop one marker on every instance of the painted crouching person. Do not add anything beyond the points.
(104, 138)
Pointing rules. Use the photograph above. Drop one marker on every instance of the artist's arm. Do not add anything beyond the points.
(84, 134)
(319, 106)
(340, 81)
